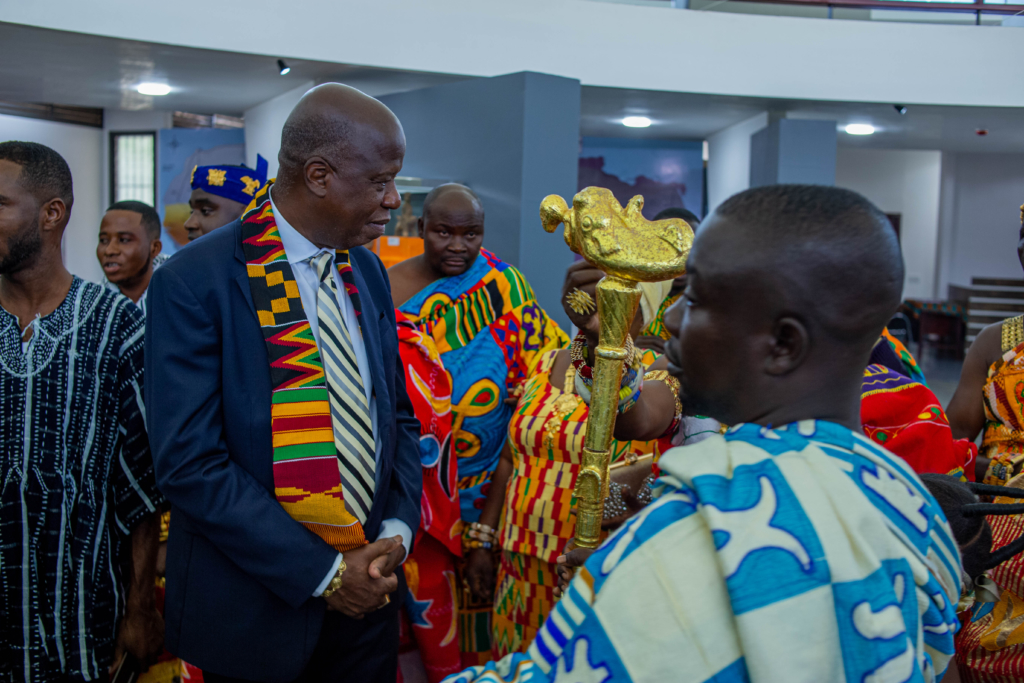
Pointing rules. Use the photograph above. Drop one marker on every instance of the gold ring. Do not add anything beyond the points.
(387, 600)
(580, 302)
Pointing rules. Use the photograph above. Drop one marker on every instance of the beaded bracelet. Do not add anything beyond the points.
(478, 535)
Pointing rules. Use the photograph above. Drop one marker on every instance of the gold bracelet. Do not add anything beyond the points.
(335, 585)
(671, 382)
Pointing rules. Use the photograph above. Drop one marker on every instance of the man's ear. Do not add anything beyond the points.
(419, 226)
(53, 215)
(790, 345)
(316, 173)
(155, 247)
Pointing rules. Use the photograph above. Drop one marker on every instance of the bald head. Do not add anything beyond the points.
(335, 122)
(456, 192)
(788, 288)
(341, 151)
(834, 254)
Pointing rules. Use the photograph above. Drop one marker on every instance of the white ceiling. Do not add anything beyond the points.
(42, 65)
(58, 67)
(686, 115)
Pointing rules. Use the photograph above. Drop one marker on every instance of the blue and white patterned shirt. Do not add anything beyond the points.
(77, 478)
(805, 553)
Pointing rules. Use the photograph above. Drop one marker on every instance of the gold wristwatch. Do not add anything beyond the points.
(335, 584)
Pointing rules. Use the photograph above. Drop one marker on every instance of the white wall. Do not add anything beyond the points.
(82, 148)
(981, 220)
(906, 182)
(118, 121)
(598, 43)
(729, 159)
(263, 125)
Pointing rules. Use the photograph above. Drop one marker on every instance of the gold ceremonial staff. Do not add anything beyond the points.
(629, 249)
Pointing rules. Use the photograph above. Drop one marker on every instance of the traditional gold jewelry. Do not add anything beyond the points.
(1012, 332)
(335, 585)
(387, 600)
(671, 382)
(580, 302)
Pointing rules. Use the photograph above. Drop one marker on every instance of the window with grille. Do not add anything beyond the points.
(133, 167)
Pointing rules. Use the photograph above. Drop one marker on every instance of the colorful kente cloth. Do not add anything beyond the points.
(802, 553)
(77, 479)
(490, 332)
(306, 482)
(430, 620)
(656, 327)
(906, 418)
(546, 433)
(991, 646)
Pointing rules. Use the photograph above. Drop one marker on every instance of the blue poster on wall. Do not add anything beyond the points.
(668, 173)
(179, 150)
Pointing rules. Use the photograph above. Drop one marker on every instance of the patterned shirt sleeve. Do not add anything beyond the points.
(133, 480)
(538, 335)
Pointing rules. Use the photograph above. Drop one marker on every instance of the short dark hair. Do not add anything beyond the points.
(150, 218)
(838, 242)
(442, 190)
(678, 212)
(43, 171)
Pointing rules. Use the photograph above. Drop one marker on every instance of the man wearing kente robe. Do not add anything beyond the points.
(791, 548)
(491, 333)
(282, 431)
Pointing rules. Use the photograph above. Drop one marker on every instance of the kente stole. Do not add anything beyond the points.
(307, 481)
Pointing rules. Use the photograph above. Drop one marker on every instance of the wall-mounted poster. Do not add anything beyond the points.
(668, 173)
(179, 150)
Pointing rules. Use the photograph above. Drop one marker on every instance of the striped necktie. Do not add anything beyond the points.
(350, 413)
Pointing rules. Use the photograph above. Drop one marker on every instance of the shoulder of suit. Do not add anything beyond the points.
(208, 257)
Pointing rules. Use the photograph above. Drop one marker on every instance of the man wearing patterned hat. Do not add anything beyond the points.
(220, 194)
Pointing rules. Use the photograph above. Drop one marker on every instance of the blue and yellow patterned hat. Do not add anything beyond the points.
(237, 183)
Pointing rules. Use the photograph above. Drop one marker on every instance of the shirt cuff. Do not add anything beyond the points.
(396, 527)
(327, 579)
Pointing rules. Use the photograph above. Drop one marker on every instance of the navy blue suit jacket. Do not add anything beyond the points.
(240, 571)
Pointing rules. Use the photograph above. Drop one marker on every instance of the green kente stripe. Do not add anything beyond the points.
(304, 450)
(299, 395)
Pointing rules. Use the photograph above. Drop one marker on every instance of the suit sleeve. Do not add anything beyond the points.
(406, 484)
(224, 503)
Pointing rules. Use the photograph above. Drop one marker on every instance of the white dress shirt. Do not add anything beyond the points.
(299, 251)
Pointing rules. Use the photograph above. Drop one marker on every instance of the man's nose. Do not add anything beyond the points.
(392, 198)
(457, 245)
(192, 222)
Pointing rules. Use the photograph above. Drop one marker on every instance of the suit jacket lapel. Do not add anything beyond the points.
(369, 325)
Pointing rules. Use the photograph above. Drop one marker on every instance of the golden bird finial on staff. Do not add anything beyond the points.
(629, 249)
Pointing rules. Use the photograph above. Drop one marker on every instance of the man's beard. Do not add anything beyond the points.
(23, 248)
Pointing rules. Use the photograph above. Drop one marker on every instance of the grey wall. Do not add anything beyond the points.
(514, 139)
(980, 217)
(794, 151)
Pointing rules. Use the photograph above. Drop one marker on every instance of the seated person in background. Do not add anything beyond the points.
(491, 334)
(542, 458)
(129, 248)
(989, 398)
(220, 194)
(654, 334)
(791, 548)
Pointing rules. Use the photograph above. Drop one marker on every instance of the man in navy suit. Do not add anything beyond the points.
(241, 435)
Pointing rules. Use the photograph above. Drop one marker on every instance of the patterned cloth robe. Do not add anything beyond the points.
(491, 333)
(801, 553)
(547, 432)
(429, 621)
(991, 646)
(77, 479)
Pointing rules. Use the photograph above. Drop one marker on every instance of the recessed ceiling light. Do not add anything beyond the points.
(636, 122)
(157, 89)
(282, 67)
(860, 129)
